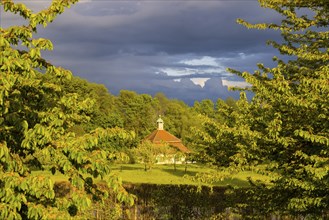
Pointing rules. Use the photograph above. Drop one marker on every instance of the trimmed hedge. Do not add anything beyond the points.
(183, 201)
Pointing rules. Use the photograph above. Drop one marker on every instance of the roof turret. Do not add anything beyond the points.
(160, 123)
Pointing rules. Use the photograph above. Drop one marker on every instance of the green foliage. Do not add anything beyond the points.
(185, 202)
(178, 117)
(205, 107)
(179, 201)
(285, 127)
(214, 140)
(146, 153)
(106, 209)
(191, 202)
(139, 112)
(104, 113)
(231, 102)
(35, 116)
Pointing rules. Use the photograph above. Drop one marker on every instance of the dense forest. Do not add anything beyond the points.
(138, 113)
(53, 121)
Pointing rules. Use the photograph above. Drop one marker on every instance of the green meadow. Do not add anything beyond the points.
(166, 174)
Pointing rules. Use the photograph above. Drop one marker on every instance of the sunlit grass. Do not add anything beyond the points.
(159, 174)
(166, 174)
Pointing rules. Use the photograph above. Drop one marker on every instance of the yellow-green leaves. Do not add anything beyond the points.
(35, 115)
(35, 53)
(289, 112)
(4, 152)
(9, 5)
(42, 43)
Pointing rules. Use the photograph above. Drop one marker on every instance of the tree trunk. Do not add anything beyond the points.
(175, 163)
(185, 165)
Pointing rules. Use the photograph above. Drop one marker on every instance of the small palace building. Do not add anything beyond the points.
(160, 137)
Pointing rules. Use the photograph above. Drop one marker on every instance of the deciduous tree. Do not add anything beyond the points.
(286, 125)
(284, 130)
(146, 153)
(34, 118)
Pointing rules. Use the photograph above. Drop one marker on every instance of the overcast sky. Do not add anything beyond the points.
(179, 47)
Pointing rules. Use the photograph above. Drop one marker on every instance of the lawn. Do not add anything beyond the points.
(166, 174)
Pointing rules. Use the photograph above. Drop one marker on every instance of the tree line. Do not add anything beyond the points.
(138, 112)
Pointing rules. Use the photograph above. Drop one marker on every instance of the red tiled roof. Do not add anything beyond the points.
(157, 137)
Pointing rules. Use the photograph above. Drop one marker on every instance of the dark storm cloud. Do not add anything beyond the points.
(142, 45)
(168, 27)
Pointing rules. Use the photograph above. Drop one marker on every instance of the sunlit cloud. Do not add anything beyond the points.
(194, 71)
(205, 65)
(204, 61)
(199, 81)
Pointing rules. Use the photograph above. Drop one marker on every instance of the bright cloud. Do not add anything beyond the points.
(193, 71)
(204, 61)
(197, 66)
(199, 81)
